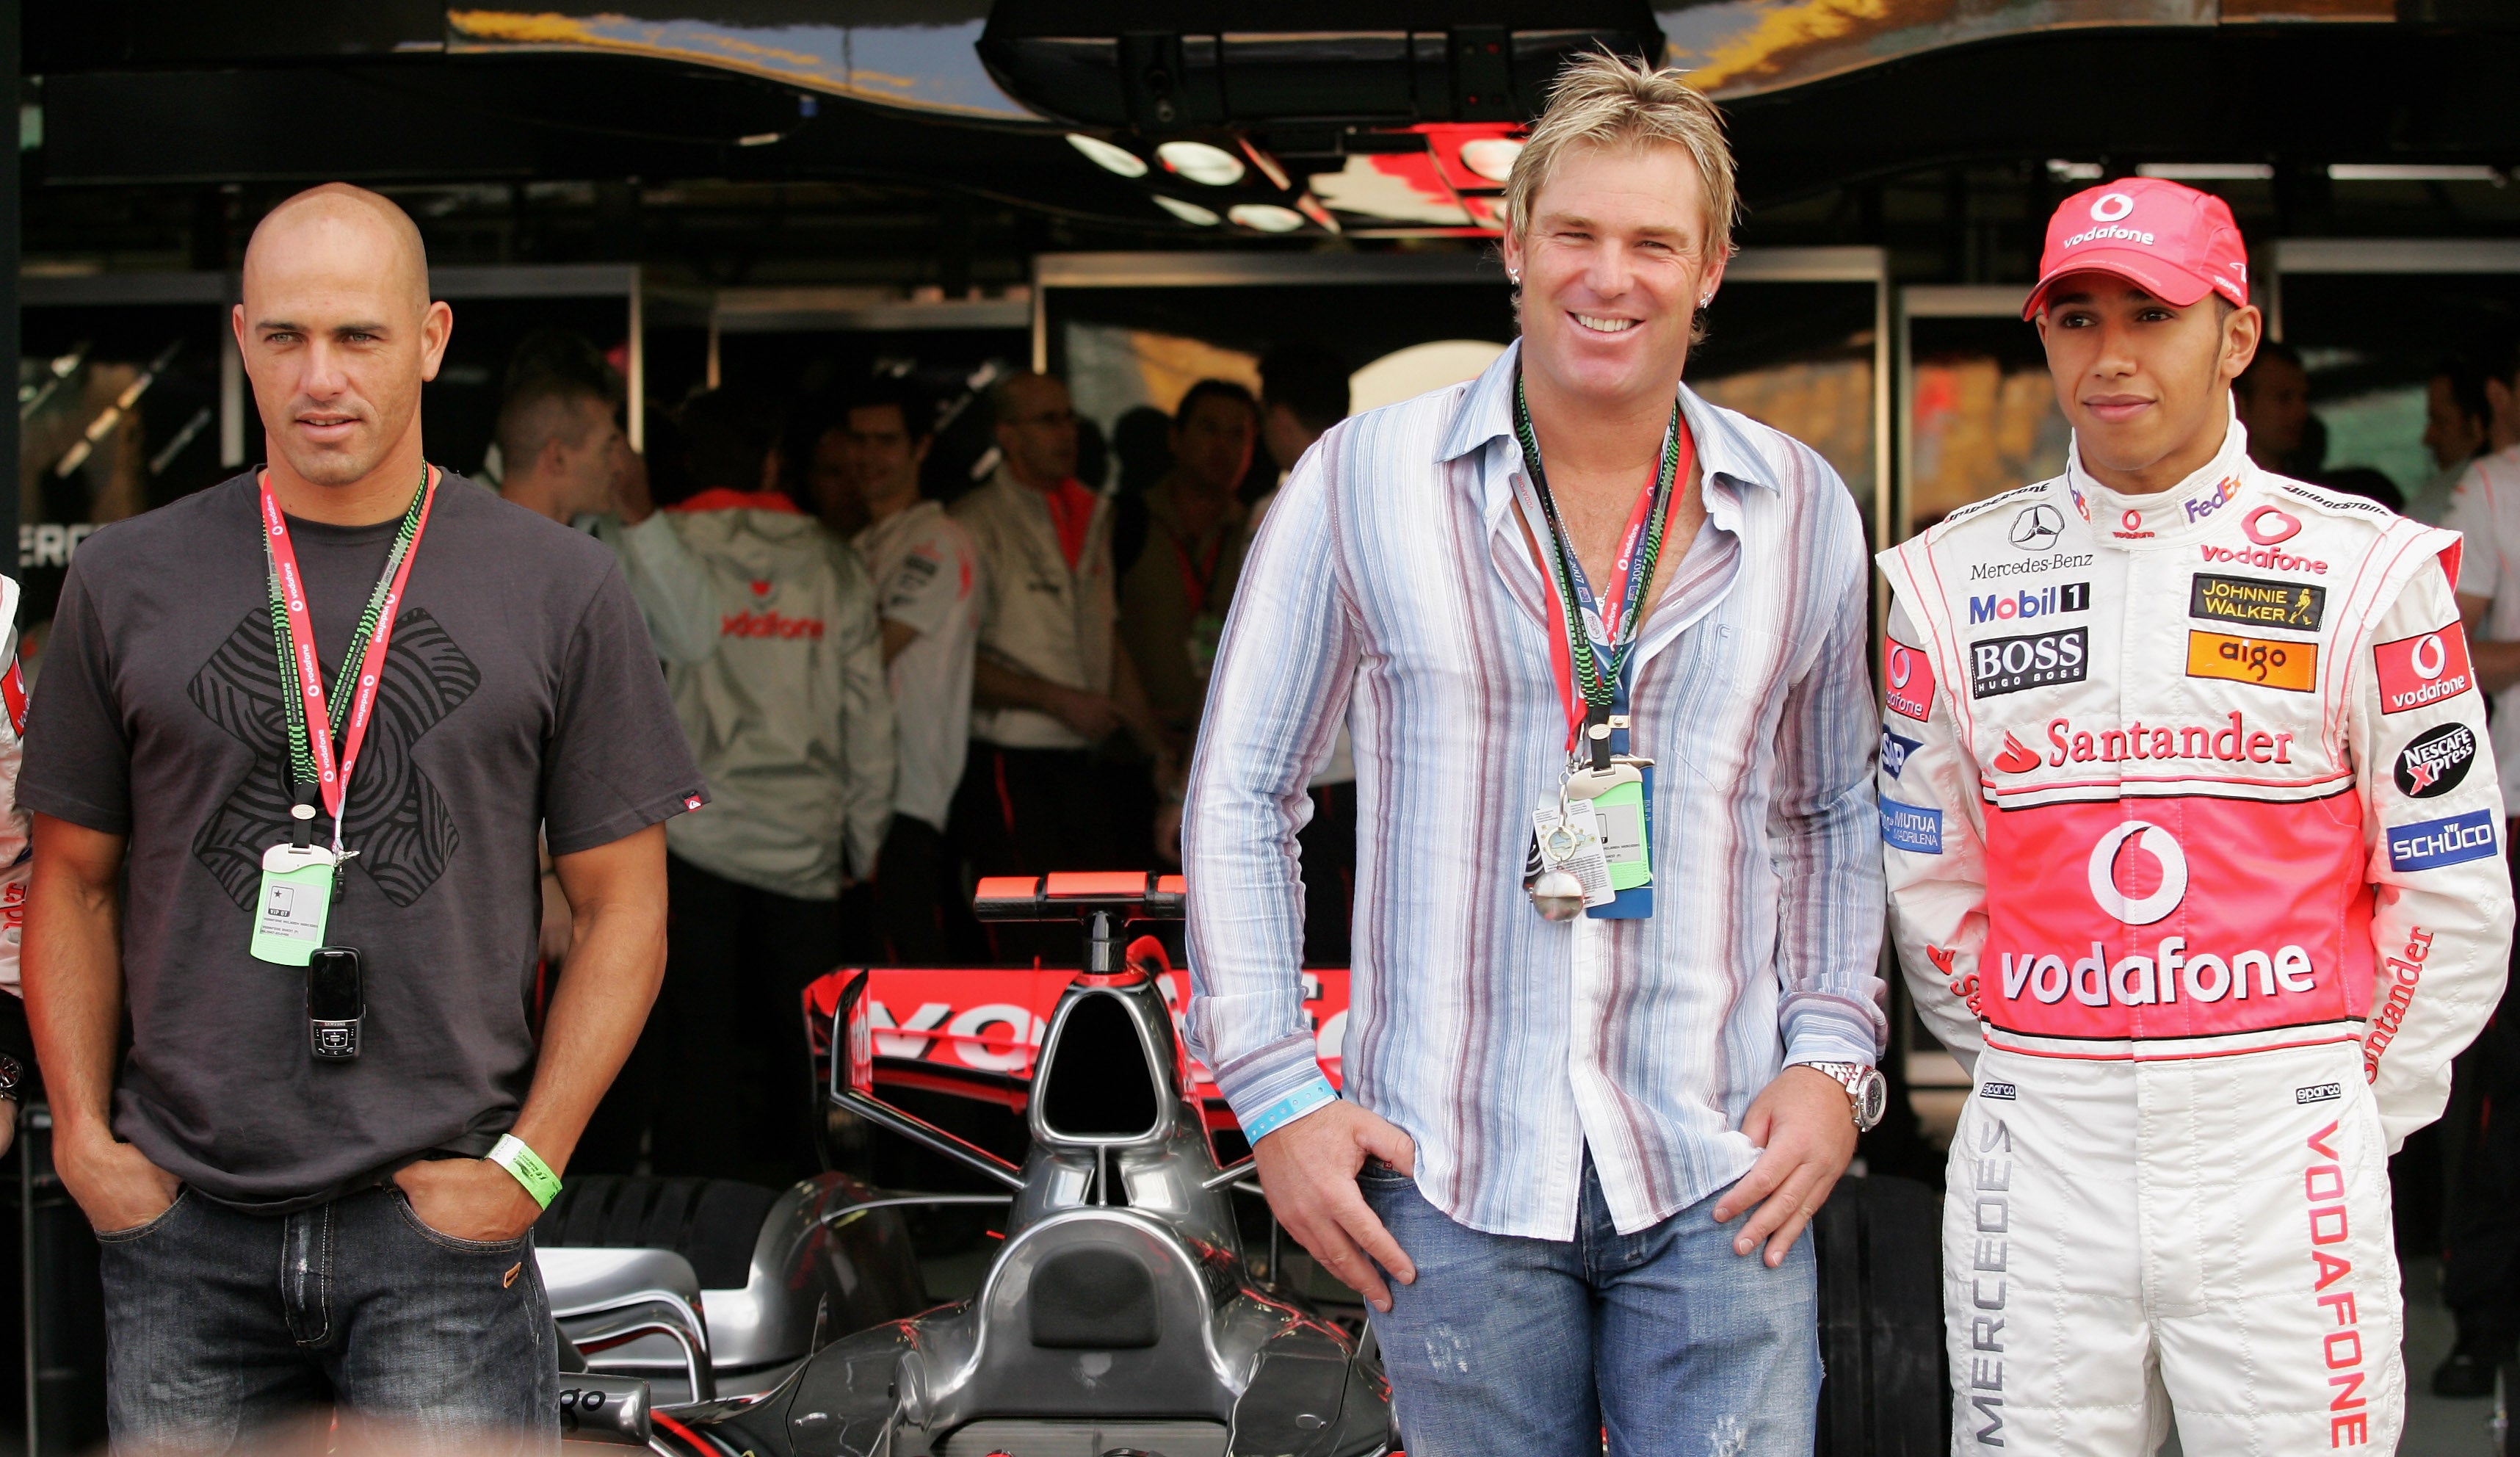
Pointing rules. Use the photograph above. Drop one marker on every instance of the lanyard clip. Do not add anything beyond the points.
(1597, 739)
(301, 817)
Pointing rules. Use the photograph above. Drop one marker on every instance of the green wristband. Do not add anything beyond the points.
(511, 1154)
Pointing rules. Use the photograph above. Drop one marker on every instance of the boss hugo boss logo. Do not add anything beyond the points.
(2036, 528)
(2030, 602)
(2434, 762)
(2008, 664)
(2256, 601)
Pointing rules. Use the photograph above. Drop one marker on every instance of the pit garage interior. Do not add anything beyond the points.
(780, 195)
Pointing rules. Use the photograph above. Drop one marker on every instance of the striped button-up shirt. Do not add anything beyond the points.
(1392, 589)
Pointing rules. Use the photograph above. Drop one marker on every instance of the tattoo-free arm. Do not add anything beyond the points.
(2498, 663)
(73, 970)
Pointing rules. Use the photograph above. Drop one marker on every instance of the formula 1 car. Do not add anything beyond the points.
(1119, 1315)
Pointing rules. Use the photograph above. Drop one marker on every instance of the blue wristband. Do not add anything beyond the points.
(1286, 1110)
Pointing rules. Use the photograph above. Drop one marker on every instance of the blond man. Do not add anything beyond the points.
(1608, 1013)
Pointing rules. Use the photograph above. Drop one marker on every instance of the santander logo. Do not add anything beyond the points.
(2013, 759)
(2267, 527)
(2159, 845)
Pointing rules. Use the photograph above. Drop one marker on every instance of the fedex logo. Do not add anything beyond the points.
(2214, 500)
(2065, 597)
(2430, 844)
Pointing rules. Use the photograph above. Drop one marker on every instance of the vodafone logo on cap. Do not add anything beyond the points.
(2103, 872)
(2109, 206)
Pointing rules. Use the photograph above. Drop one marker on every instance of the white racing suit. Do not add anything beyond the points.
(2194, 850)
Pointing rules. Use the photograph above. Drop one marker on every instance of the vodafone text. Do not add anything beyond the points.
(2264, 556)
(2233, 742)
(2140, 981)
(770, 625)
(2323, 1185)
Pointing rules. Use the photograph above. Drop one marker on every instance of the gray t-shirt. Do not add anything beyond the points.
(520, 692)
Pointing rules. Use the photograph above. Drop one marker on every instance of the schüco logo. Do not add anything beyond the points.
(2138, 875)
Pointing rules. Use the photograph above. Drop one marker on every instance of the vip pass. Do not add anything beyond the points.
(511, 1154)
(1312, 1095)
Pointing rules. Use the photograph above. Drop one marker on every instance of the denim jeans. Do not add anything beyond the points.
(223, 1327)
(1665, 1337)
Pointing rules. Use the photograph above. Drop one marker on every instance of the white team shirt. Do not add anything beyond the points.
(928, 578)
(2486, 509)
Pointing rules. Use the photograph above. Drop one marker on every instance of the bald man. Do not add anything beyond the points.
(314, 1172)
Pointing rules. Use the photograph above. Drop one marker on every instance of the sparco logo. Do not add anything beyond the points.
(2318, 1092)
(2436, 761)
(2036, 528)
(2031, 602)
(2008, 664)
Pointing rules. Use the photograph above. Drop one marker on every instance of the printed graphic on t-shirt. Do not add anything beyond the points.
(398, 822)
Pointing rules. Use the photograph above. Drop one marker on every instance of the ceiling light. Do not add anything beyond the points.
(2073, 171)
(2207, 171)
(1188, 213)
(1201, 163)
(1108, 158)
(2347, 171)
(1490, 158)
(1266, 217)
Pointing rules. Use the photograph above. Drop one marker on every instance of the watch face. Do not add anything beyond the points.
(1872, 1098)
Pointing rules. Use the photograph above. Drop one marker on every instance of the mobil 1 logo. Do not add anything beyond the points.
(1999, 666)
(2435, 761)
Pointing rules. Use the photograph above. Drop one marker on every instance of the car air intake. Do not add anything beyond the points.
(1098, 1084)
(1093, 1299)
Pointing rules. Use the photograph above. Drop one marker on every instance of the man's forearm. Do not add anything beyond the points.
(995, 685)
(616, 963)
(1137, 712)
(2497, 664)
(72, 973)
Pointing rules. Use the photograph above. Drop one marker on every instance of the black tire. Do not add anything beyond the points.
(714, 1224)
(1886, 1387)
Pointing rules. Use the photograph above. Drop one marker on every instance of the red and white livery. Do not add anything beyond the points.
(2195, 854)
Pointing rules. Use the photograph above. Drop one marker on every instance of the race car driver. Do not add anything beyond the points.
(2193, 837)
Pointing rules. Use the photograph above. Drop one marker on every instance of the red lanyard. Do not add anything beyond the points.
(1196, 581)
(1561, 662)
(335, 778)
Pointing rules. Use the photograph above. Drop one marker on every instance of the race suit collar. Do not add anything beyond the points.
(2197, 506)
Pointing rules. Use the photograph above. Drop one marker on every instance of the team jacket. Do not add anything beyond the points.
(16, 847)
(2192, 775)
(787, 712)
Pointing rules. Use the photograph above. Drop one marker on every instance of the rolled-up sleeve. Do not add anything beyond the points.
(1276, 698)
(1824, 830)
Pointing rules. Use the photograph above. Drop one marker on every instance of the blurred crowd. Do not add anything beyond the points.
(892, 694)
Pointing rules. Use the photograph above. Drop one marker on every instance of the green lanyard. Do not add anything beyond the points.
(1600, 688)
(303, 774)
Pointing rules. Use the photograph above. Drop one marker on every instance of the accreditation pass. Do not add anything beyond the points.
(294, 901)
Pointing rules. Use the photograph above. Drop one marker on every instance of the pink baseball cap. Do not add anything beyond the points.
(2175, 243)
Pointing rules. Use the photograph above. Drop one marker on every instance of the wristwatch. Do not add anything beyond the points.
(12, 1078)
(1866, 1088)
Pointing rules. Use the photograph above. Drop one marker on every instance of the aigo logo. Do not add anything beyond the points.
(2269, 526)
(2101, 873)
(2111, 206)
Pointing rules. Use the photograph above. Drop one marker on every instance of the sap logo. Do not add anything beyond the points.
(2065, 597)
(1912, 827)
(2415, 671)
(2431, 845)
(2008, 664)
(1895, 750)
(2318, 1092)
(2214, 500)
(2437, 762)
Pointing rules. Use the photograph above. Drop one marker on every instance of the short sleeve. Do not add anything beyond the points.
(2472, 515)
(921, 590)
(78, 752)
(616, 761)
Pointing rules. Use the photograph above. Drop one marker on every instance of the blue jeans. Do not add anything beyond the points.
(1532, 1348)
(222, 1328)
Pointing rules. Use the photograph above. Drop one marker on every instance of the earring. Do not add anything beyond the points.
(1513, 278)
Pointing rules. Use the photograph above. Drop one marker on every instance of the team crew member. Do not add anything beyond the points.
(928, 604)
(1174, 596)
(314, 719)
(1564, 1111)
(2193, 843)
(788, 716)
(1051, 682)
